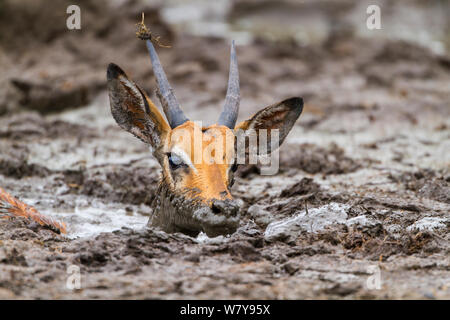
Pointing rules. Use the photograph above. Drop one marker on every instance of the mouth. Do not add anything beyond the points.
(215, 224)
(181, 215)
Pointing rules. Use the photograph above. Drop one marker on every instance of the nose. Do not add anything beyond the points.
(225, 207)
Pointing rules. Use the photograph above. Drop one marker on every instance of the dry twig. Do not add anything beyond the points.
(144, 34)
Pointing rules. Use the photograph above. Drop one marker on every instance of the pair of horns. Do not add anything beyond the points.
(170, 105)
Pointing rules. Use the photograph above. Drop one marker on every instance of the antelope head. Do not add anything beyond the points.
(197, 162)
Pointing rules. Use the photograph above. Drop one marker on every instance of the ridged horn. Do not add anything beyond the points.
(230, 111)
(170, 105)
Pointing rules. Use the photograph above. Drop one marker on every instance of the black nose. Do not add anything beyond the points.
(225, 207)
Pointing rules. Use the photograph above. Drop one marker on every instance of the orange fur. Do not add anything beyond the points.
(210, 179)
(11, 207)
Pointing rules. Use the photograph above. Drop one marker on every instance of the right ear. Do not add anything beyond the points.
(133, 110)
(280, 116)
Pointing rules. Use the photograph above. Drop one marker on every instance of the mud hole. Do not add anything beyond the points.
(364, 176)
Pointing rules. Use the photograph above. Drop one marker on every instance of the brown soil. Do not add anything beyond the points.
(372, 143)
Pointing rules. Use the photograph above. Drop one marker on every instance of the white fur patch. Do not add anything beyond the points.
(186, 159)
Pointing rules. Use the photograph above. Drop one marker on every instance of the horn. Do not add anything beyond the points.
(230, 111)
(172, 109)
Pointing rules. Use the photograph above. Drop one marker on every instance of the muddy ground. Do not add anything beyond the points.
(363, 187)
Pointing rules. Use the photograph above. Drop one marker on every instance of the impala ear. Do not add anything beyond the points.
(280, 116)
(133, 110)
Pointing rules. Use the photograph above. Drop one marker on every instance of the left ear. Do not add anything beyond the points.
(281, 116)
(133, 110)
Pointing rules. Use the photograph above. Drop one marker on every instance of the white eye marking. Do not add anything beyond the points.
(176, 159)
(178, 152)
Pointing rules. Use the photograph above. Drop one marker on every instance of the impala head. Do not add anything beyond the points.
(197, 162)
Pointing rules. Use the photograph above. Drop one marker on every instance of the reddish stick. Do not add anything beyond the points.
(11, 207)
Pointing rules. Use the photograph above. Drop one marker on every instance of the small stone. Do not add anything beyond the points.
(290, 268)
(194, 257)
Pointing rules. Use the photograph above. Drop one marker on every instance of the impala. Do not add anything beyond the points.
(194, 191)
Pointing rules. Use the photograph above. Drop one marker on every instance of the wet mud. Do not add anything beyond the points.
(363, 184)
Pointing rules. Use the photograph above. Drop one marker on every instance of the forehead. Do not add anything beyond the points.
(189, 130)
(191, 135)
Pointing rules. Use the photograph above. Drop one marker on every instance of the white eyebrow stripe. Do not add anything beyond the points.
(180, 152)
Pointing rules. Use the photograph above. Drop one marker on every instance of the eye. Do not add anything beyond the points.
(233, 169)
(175, 161)
(231, 182)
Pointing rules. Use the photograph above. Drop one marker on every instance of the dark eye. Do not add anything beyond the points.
(175, 162)
(231, 182)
